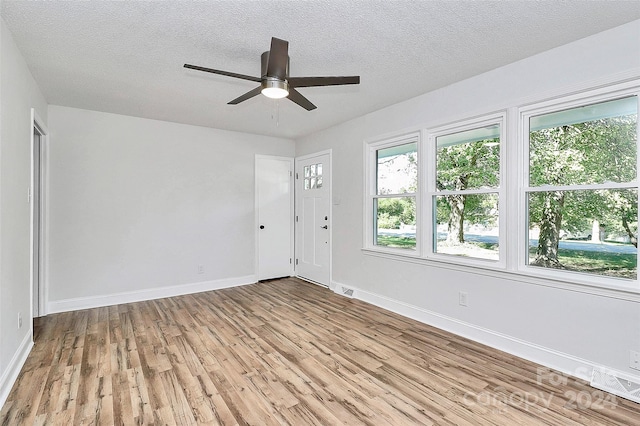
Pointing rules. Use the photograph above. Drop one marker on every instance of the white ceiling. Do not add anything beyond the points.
(126, 57)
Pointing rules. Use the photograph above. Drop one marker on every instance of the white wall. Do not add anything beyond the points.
(564, 328)
(18, 94)
(136, 205)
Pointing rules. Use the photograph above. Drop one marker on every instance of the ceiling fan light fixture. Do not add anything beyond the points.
(274, 88)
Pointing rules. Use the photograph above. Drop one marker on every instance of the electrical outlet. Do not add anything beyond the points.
(634, 360)
(201, 269)
(19, 320)
(463, 298)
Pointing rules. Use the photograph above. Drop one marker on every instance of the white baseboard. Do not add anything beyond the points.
(79, 303)
(562, 362)
(10, 375)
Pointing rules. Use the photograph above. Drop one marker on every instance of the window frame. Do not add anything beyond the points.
(524, 189)
(500, 119)
(514, 164)
(371, 168)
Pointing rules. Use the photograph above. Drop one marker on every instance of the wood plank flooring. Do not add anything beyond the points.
(283, 352)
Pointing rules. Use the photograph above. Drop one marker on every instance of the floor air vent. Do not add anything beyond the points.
(346, 291)
(616, 384)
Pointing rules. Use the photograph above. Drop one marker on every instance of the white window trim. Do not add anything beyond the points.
(568, 102)
(371, 147)
(498, 118)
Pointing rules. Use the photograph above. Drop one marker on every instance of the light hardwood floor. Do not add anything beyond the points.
(283, 352)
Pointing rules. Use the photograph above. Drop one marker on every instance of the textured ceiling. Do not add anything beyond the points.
(126, 57)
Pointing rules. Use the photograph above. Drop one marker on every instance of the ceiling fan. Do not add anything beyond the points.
(275, 81)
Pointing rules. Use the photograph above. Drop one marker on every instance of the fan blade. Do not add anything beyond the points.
(250, 94)
(297, 97)
(227, 73)
(278, 58)
(322, 81)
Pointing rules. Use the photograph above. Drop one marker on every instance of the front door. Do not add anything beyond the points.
(313, 222)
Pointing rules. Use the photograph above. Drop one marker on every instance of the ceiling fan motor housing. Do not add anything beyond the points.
(264, 61)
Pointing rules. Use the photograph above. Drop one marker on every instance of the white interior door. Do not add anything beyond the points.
(313, 222)
(274, 206)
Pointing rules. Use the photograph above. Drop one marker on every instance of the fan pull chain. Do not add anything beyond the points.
(275, 115)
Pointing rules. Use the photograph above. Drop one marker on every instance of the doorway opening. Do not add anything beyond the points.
(39, 135)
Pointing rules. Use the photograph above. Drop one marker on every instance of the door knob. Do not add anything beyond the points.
(324, 227)
(261, 226)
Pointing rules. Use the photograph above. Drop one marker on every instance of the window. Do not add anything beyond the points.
(393, 193)
(313, 176)
(565, 177)
(465, 190)
(581, 188)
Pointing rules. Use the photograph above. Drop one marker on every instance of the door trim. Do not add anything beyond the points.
(37, 124)
(328, 152)
(256, 210)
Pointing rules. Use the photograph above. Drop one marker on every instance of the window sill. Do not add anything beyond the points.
(617, 289)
